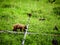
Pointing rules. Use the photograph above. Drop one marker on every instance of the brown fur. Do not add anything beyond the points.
(19, 26)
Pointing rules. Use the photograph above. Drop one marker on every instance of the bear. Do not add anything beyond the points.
(21, 27)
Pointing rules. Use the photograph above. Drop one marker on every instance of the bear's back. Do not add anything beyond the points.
(19, 26)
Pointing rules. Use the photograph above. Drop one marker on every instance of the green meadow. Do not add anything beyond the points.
(16, 11)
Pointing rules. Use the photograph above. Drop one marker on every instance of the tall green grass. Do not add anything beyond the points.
(15, 11)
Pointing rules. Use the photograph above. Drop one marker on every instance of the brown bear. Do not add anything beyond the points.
(19, 26)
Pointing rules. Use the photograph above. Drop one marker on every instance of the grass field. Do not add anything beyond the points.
(15, 11)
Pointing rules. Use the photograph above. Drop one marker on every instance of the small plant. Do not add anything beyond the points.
(1, 0)
(56, 10)
(51, 1)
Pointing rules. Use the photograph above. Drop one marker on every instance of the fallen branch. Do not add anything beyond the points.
(14, 32)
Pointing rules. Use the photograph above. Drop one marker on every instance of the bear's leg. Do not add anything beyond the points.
(21, 29)
(24, 30)
(14, 29)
